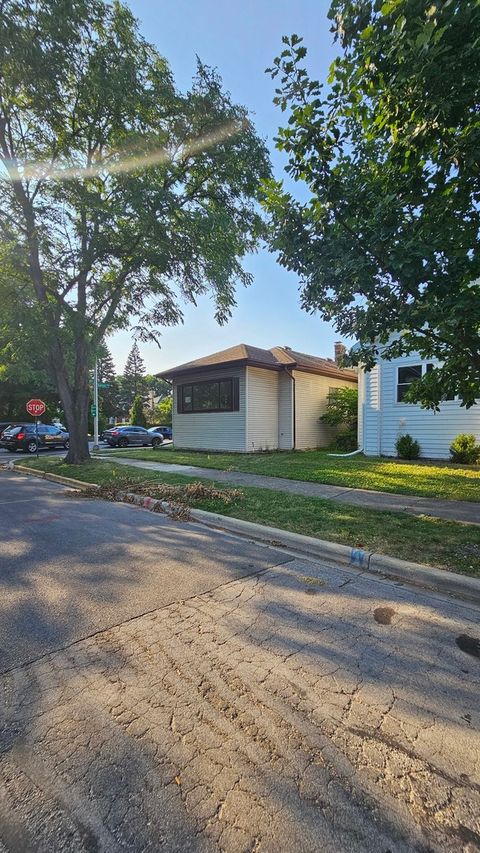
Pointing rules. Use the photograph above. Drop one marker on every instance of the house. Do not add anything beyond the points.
(247, 399)
(383, 414)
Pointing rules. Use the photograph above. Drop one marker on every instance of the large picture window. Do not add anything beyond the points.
(218, 395)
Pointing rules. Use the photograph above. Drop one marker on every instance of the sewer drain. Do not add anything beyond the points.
(383, 615)
(469, 645)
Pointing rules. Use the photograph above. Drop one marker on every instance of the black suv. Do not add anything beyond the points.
(24, 437)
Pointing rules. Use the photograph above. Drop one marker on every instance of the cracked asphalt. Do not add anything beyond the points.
(169, 688)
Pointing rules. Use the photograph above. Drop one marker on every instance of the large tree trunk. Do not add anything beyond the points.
(75, 403)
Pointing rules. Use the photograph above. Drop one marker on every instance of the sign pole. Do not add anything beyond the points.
(36, 434)
(95, 403)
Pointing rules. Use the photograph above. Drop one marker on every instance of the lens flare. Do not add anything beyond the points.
(125, 162)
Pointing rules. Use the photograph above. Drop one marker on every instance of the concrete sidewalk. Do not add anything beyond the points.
(452, 510)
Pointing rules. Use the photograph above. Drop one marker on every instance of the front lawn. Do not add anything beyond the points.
(426, 479)
(445, 544)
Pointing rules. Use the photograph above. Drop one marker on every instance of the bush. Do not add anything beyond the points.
(342, 408)
(407, 447)
(464, 449)
(346, 441)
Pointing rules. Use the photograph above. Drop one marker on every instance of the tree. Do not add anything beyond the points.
(342, 408)
(109, 396)
(133, 375)
(120, 196)
(161, 415)
(387, 244)
(137, 415)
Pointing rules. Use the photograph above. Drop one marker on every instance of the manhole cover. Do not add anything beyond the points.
(383, 615)
(469, 645)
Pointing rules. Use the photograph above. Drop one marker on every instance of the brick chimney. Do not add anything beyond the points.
(340, 350)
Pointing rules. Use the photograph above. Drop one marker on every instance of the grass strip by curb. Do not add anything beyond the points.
(421, 478)
(444, 544)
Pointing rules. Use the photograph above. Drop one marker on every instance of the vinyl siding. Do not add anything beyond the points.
(311, 393)
(262, 409)
(285, 412)
(371, 413)
(434, 431)
(361, 407)
(211, 430)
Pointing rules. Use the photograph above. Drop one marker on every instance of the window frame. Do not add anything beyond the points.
(425, 367)
(235, 396)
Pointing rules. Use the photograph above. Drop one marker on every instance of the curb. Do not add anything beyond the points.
(416, 574)
(55, 478)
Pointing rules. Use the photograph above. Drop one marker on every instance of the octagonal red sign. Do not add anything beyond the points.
(35, 408)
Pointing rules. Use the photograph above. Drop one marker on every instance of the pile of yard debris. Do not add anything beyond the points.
(178, 497)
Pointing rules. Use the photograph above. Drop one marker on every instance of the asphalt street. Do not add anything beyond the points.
(167, 687)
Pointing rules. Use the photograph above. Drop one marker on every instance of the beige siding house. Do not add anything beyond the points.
(247, 399)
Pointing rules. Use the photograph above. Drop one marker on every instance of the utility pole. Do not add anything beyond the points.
(95, 403)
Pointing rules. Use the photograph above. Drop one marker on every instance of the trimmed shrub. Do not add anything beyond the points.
(464, 449)
(346, 441)
(407, 447)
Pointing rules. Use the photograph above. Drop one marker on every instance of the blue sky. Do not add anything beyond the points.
(240, 40)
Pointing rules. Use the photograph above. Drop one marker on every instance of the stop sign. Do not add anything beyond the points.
(35, 408)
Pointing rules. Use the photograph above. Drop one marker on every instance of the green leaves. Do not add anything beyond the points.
(387, 245)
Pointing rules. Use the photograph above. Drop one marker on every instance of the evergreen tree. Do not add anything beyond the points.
(133, 382)
(137, 415)
(109, 397)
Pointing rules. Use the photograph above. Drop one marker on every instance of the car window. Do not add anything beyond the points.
(42, 429)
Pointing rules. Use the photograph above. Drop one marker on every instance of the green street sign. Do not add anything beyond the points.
(103, 385)
(93, 410)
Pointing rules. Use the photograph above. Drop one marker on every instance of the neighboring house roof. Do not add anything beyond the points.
(277, 358)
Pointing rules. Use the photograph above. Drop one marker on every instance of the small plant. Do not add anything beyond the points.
(407, 447)
(464, 449)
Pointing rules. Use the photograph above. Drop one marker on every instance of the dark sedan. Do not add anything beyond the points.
(132, 436)
(26, 437)
(165, 431)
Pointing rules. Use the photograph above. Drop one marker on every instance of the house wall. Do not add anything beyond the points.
(211, 430)
(385, 419)
(285, 412)
(311, 393)
(371, 413)
(262, 409)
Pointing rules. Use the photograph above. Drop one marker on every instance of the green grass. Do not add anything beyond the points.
(446, 544)
(426, 479)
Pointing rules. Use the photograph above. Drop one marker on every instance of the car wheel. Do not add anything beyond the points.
(156, 442)
(122, 442)
(67, 445)
(32, 447)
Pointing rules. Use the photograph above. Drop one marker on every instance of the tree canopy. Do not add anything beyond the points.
(120, 196)
(387, 243)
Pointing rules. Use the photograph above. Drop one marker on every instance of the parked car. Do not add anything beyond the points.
(103, 435)
(24, 437)
(166, 431)
(126, 436)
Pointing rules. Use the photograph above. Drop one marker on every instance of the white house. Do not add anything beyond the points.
(383, 415)
(247, 399)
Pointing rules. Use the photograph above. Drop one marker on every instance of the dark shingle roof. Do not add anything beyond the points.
(276, 358)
